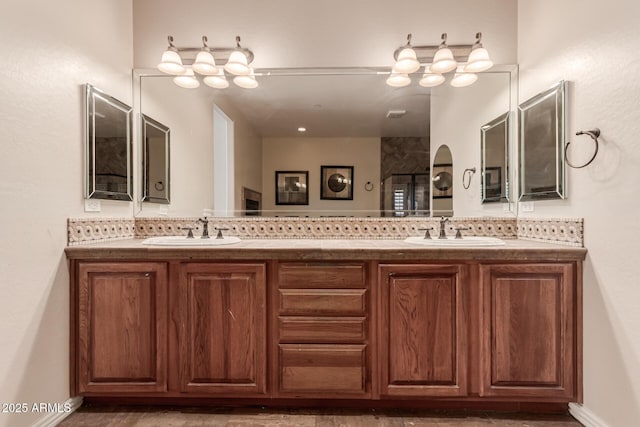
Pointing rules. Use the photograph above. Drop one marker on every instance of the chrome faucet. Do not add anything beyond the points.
(205, 227)
(443, 221)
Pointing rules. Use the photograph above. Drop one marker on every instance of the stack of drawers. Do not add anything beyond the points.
(322, 326)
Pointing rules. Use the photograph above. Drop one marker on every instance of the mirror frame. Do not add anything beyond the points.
(146, 122)
(558, 93)
(92, 95)
(503, 119)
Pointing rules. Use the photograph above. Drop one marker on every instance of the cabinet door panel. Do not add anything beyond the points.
(423, 331)
(122, 333)
(225, 328)
(529, 330)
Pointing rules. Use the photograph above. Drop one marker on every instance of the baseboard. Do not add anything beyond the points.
(54, 418)
(585, 416)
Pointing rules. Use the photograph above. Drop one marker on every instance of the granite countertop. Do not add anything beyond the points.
(318, 249)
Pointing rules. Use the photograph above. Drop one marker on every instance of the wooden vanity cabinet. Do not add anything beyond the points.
(121, 327)
(423, 335)
(530, 337)
(321, 335)
(222, 336)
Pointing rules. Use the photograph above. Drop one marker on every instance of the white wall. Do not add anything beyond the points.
(456, 117)
(300, 154)
(50, 49)
(308, 33)
(594, 45)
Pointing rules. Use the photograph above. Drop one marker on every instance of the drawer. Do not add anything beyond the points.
(323, 302)
(322, 330)
(322, 368)
(321, 275)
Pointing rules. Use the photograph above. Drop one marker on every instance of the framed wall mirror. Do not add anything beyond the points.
(494, 159)
(108, 146)
(542, 140)
(155, 161)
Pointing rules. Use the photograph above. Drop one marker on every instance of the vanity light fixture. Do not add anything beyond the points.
(443, 60)
(463, 79)
(439, 61)
(406, 59)
(205, 64)
(478, 58)
(430, 79)
(183, 61)
(246, 81)
(219, 81)
(187, 80)
(171, 63)
(238, 63)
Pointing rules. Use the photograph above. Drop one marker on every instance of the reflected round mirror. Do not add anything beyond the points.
(442, 181)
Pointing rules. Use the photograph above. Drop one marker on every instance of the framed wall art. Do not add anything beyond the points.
(292, 188)
(336, 182)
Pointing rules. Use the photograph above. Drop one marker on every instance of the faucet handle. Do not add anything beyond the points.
(220, 230)
(458, 232)
(190, 232)
(426, 232)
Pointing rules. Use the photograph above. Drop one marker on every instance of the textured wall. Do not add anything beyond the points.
(594, 45)
(403, 155)
(50, 49)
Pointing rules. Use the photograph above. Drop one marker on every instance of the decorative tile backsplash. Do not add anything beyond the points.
(93, 230)
(566, 231)
(552, 230)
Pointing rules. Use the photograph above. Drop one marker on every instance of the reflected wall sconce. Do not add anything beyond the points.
(438, 60)
(187, 62)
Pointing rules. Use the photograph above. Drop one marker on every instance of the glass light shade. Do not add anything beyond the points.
(205, 64)
(478, 61)
(398, 80)
(219, 81)
(187, 80)
(431, 80)
(237, 64)
(246, 82)
(171, 63)
(443, 61)
(407, 61)
(463, 79)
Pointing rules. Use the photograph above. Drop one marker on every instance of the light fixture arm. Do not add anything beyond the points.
(478, 42)
(443, 43)
(205, 46)
(171, 45)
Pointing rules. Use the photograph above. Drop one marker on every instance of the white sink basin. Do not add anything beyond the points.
(183, 241)
(451, 242)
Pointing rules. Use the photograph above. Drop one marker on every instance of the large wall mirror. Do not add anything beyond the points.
(108, 146)
(494, 157)
(301, 120)
(542, 141)
(155, 161)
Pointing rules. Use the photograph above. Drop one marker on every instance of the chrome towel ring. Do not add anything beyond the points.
(594, 134)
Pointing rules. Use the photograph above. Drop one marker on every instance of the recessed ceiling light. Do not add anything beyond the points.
(302, 129)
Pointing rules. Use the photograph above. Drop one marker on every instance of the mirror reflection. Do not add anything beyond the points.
(108, 146)
(302, 122)
(155, 161)
(442, 181)
(495, 160)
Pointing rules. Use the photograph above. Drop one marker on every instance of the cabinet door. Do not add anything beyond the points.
(223, 322)
(422, 330)
(122, 318)
(529, 330)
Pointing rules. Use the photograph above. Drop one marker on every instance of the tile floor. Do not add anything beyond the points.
(188, 417)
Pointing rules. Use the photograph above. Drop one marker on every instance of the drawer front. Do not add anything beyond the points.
(326, 275)
(322, 302)
(317, 369)
(322, 330)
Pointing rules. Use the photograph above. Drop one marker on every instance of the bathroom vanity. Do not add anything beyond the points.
(321, 322)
